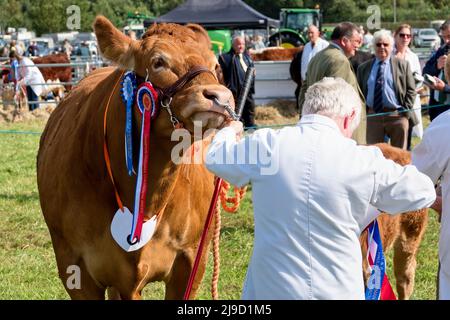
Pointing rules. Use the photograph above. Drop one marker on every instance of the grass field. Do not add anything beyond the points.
(27, 262)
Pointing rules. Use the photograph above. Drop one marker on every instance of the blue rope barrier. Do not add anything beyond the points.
(424, 107)
(20, 132)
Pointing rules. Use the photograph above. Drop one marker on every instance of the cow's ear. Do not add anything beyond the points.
(113, 44)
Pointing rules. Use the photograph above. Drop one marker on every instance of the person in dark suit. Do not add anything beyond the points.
(435, 67)
(389, 88)
(294, 71)
(234, 64)
(359, 58)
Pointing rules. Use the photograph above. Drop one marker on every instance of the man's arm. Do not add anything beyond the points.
(227, 154)
(441, 86)
(400, 189)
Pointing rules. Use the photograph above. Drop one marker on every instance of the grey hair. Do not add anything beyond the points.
(334, 98)
(383, 34)
(237, 36)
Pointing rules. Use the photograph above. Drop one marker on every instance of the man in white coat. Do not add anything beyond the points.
(30, 77)
(312, 190)
(432, 157)
(315, 44)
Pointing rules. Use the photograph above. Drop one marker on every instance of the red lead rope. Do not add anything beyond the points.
(211, 210)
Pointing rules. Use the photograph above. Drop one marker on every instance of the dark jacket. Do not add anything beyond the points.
(233, 74)
(431, 66)
(295, 72)
(331, 62)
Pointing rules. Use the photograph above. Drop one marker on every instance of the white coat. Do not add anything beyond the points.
(311, 193)
(31, 76)
(432, 157)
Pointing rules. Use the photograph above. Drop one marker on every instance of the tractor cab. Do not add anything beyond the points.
(294, 26)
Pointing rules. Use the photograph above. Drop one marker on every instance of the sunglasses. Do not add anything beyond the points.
(381, 44)
(405, 35)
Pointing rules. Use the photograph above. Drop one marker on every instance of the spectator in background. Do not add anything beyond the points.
(315, 44)
(360, 56)
(132, 35)
(33, 50)
(13, 75)
(299, 64)
(294, 71)
(29, 76)
(13, 46)
(389, 87)
(234, 65)
(4, 52)
(435, 67)
(403, 36)
(258, 44)
(67, 47)
(367, 40)
(333, 62)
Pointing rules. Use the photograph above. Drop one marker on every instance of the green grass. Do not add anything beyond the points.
(27, 263)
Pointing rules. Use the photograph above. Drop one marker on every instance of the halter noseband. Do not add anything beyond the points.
(168, 93)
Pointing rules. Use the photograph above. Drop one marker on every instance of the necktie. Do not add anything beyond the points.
(241, 60)
(378, 92)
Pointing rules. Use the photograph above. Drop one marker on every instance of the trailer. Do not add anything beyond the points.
(273, 82)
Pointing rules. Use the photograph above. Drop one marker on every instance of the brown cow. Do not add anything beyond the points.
(76, 193)
(276, 54)
(404, 232)
(62, 74)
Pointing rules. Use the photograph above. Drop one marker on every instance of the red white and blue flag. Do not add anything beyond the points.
(378, 286)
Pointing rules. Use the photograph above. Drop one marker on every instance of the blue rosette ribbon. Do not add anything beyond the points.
(128, 94)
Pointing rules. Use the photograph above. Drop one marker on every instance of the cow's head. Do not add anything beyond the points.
(169, 51)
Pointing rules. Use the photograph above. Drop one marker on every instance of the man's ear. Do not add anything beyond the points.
(114, 45)
(348, 120)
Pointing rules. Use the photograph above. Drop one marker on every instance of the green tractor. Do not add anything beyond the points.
(294, 27)
(220, 40)
(135, 23)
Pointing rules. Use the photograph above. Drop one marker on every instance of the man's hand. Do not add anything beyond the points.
(17, 97)
(437, 206)
(441, 61)
(439, 84)
(236, 125)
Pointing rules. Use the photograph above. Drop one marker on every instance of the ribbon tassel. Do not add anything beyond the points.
(378, 285)
(147, 102)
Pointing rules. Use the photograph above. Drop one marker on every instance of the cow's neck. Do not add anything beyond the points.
(163, 175)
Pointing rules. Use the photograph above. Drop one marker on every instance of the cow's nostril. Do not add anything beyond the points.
(209, 96)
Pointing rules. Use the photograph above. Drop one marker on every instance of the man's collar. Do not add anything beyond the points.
(378, 61)
(319, 119)
(336, 46)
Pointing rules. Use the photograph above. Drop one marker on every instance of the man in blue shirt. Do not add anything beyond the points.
(389, 88)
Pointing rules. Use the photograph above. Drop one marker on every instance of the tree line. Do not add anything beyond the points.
(45, 16)
(356, 10)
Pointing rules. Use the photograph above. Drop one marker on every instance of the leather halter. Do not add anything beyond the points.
(168, 93)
